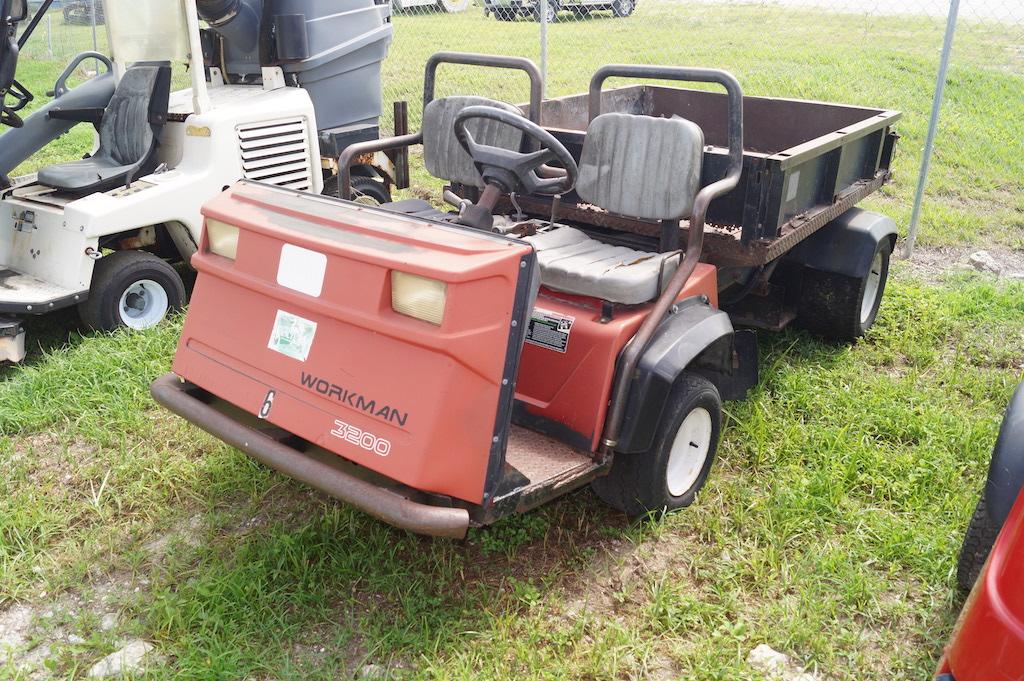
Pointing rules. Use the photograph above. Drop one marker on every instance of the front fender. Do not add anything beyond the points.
(677, 342)
(1006, 470)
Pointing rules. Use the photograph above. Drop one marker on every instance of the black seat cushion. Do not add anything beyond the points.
(128, 135)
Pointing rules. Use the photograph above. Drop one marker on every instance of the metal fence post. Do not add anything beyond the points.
(544, 47)
(49, 35)
(92, 12)
(940, 86)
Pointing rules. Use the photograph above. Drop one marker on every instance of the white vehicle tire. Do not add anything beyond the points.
(134, 289)
(669, 474)
(451, 6)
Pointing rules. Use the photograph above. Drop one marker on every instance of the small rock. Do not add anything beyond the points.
(127, 660)
(766, 659)
(75, 639)
(371, 672)
(984, 262)
(778, 666)
(108, 621)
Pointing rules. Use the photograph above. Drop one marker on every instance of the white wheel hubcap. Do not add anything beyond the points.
(871, 288)
(143, 304)
(689, 452)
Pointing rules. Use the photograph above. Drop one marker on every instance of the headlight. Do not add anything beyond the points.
(419, 297)
(222, 238)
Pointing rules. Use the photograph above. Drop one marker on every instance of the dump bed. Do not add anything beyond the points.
(804, 163)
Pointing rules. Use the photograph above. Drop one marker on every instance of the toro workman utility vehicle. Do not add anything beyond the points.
(441, 370)
(278, 89)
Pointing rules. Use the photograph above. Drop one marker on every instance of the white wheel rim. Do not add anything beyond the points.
(689, 452)
(871, 288)
(142, 305)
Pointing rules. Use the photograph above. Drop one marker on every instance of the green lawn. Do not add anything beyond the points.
(829, 528)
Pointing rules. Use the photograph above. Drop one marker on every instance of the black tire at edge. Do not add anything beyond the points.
(978, 541)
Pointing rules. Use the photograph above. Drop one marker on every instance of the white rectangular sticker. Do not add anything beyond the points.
(794, 185)
(549, 330)
(292, 335)
(302, 270)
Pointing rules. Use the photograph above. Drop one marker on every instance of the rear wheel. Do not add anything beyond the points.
(131, 288)
(504, 14)
(623, 8)
(365, 190)
(978, 542)
(843, 308)
(669, 475)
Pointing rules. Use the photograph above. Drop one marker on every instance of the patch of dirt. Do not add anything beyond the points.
(32, 633)
(933, 264)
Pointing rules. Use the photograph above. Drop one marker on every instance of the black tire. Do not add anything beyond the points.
(112, 278)
(623, 8)
(836, 307)
(552, 11)
(365, 189)
(503, 14)
(638, 484)
(978, 542)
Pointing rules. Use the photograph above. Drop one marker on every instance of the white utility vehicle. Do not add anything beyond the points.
(278, 89)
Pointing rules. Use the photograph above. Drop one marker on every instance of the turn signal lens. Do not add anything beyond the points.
(419, 297)
(222, 238)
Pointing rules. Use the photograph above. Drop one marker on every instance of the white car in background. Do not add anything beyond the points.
(510, 10)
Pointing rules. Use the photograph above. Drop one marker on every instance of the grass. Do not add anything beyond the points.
(828, 530)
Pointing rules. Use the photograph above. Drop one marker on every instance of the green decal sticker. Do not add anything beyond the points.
(292, 335)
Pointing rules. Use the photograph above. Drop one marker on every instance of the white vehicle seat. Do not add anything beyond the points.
(573, 262)
(638, 166)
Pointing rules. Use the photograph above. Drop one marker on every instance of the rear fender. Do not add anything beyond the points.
(847, 244)
(1006, 470)
(696, 337)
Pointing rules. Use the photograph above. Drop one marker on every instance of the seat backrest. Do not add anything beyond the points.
(443, 156)
(641, 166)
(135, 114)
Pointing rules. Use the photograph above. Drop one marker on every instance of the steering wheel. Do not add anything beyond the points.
(511, 169)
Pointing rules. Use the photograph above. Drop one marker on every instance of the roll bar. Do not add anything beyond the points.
(353, 151)
(695, 239)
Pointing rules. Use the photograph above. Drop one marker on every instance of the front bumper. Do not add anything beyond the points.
(312, 468)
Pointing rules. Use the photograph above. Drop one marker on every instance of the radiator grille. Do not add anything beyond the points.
(276, 153)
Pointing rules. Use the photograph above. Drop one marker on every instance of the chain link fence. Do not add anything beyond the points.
(876, 53)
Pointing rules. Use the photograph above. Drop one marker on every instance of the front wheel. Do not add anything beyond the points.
(133, 289)
(669, 475)
(842, 308)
